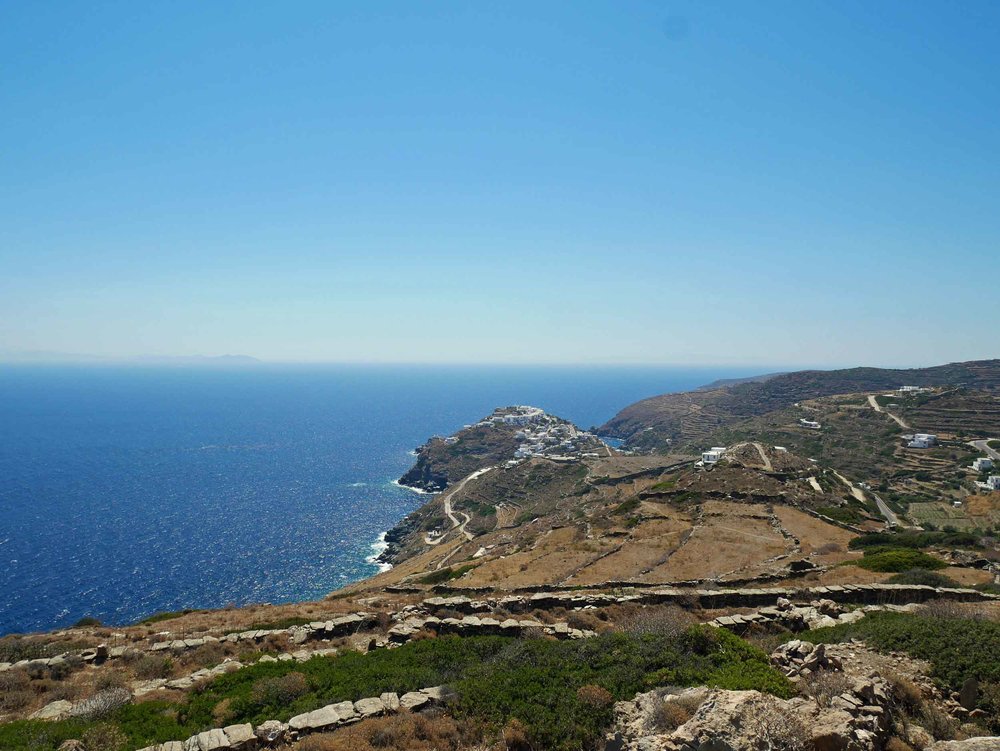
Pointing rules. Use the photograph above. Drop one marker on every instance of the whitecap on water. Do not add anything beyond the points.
(379, 547)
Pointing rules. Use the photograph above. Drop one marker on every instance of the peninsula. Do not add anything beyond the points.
(804, 560)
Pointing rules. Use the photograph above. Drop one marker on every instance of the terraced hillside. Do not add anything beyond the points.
(957, 412)
(687, 419)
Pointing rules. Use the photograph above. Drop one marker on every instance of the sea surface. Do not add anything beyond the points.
(126, 491)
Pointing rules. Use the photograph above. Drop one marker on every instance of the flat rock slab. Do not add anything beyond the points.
(239, 735)
(53, 711)
(318, 719)
(369, 707)
(414, 700)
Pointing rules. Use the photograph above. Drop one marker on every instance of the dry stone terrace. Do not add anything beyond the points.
(408, 620)
(330, 717)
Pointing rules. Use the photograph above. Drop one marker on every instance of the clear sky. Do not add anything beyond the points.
(666, 182)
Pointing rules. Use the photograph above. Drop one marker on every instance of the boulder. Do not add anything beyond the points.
(240, 736)
(414, 700)
(210, 740)
(271, 732)
(318, 719)
(369, 707)
(55, 710)
(390, 700)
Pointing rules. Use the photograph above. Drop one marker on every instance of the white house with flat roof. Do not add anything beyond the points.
(982, 464)
(811, 424)
(713, 454)
(922, 441)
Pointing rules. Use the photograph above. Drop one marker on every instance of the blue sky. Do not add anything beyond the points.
(642, 182)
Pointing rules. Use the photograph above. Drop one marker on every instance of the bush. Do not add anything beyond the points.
(87, 621)
(102, 704)
(445, 574)
(898, 560)
(673, 711)
(166, 615)
(152, 666)
(842, 514)
(279, 691)
(413, 732)
(496, 679)
(15, 690)
(776, 728)
(957, 648)
(104, 737)
(908, 539)
(923, 577)
(594, 697)
(668, 620)
(823, 685)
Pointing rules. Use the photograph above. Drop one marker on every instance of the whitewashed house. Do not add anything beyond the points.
(922, 441)
(982, 464)
(713, 455)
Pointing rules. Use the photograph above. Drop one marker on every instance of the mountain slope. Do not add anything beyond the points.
(690, 417)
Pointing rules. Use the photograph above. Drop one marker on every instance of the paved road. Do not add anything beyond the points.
(984, 447)
(456, 524)
(878, 408)
(890, 517)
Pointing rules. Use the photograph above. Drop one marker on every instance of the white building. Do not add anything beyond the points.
(911, 389)
(982, 464)
(713, 455)
(994, 482)
(811, 424)
(922, 441)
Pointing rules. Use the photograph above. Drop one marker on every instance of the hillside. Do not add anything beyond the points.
(687, 419)
(557, 593)
(509, 433)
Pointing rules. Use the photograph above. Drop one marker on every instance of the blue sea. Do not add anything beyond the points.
(129, 490)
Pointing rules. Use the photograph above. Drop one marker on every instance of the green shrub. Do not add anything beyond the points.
(626, 507)
(557, 691)
(908, 539)
(446, 574)
(923, 577)
(841, 514)
(275, 693)
(166, 615)
(898, 560)
(957, 648)
(87, 621)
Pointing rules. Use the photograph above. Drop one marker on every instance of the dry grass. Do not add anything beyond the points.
(412, 732)
(823, 685)
(776, 728)
(652, 619)
(15, 691)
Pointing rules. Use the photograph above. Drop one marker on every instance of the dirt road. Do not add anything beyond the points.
(456, 524)
(763, 457)
(878, 408)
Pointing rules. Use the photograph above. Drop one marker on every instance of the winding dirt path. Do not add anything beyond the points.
(768, 467)
(872, 400)
(456, 524)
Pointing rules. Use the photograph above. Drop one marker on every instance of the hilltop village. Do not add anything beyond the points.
(804, 562)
